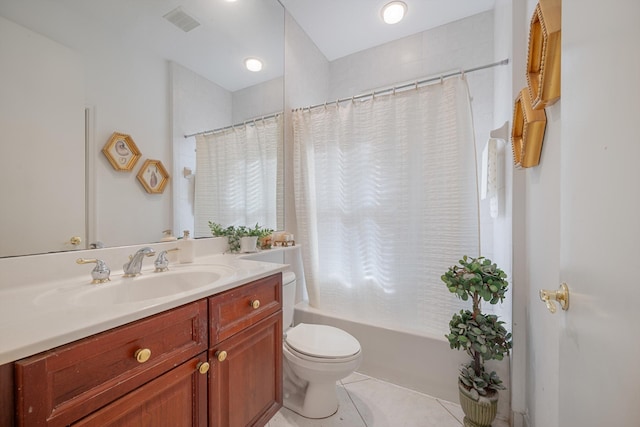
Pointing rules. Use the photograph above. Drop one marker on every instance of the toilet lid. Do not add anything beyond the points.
(322, 341)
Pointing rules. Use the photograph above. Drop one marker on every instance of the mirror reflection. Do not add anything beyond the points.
(76, 71)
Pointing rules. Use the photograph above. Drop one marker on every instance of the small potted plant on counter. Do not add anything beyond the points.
(481, 335)
(240, 238)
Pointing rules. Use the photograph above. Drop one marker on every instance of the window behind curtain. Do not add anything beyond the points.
(238, 180)
(386, 200)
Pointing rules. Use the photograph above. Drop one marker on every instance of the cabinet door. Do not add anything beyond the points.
(175, 399)
(245, 389)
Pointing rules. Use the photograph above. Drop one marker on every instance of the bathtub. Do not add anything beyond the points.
(418, 362)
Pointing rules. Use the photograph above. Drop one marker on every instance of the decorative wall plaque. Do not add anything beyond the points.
(527, 133)
(121, 151)
(153, 176)
(543, 59)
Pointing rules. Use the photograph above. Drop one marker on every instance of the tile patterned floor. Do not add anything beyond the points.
(368, 402)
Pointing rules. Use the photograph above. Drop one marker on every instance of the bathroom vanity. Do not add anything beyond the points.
(213, 361)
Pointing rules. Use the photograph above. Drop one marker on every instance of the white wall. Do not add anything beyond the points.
(306, 75)
(128, 91)
(198, 105)
(42, 143)
(536, 239)
(538, 254)
(259, 100)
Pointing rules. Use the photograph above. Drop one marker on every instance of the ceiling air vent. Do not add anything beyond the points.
(181, 19)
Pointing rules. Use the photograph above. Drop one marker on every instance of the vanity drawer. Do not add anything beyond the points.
(236, 309)
(62, 385)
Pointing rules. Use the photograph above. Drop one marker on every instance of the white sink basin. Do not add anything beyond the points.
(146, 287)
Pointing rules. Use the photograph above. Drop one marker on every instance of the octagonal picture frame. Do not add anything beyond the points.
(153, 176)
(121, 151)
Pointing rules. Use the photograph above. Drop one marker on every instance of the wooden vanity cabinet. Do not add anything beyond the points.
(245, 383)
(110, 379)
(63, 385)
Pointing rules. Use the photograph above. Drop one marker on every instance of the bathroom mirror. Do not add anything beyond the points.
(76, 71)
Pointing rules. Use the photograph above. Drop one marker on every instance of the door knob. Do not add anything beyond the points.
(561, 296)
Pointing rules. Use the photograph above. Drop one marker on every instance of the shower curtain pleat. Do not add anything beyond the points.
(386, 200)
(237, 176)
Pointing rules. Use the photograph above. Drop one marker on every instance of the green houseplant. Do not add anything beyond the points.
(235, 234)
(482, 336)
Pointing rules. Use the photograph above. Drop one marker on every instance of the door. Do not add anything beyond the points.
(599, 348)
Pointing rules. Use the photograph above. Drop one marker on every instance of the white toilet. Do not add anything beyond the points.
(315, 358)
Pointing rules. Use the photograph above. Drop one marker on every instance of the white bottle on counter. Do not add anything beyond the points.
(187, 250)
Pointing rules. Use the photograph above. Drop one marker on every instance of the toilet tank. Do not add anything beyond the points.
(288, 298)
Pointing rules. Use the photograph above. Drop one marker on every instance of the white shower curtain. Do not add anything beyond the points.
(237, 175)
(386, 200)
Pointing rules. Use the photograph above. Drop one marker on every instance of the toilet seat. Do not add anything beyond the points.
(321, 342)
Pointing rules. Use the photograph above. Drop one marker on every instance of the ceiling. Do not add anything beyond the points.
(231, 32)
(342, 27)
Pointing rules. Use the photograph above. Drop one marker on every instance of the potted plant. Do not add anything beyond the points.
(481, 335)
(241, 238)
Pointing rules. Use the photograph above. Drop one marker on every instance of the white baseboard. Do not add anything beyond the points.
(521, 419)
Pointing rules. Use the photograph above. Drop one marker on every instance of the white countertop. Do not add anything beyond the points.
(35, 317)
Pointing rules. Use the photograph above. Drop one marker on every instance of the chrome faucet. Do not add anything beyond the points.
(133, 267)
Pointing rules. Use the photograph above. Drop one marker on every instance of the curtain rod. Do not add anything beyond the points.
(414, 84)
(206, 132)
(353, 98)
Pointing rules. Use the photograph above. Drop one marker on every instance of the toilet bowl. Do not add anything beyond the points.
(315, 358)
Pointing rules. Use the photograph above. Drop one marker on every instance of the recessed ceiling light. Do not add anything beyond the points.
(393, 12)
(253, 64)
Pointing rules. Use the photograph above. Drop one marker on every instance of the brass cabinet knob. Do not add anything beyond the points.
(203, 367)
(142, 355)
(75, 240)
(255, 304)
(221, 355)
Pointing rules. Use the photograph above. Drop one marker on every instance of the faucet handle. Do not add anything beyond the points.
(101, 271)
(162, 262)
